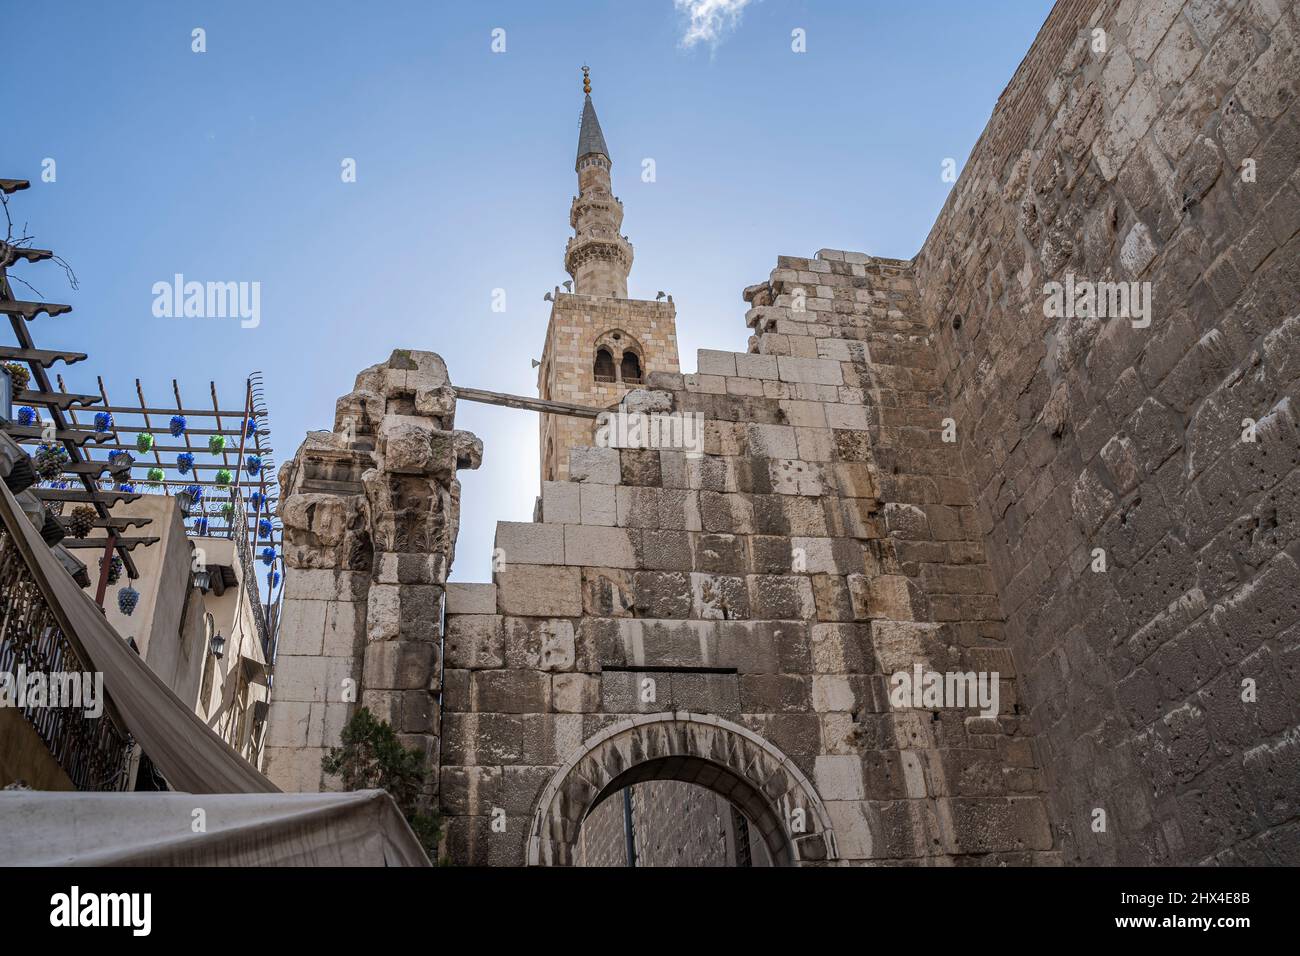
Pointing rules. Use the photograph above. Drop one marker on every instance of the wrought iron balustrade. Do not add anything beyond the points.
(95, 752)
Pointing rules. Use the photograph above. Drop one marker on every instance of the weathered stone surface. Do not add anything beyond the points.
(917, 470)
(539, 591)
(471, 598)
(370, 514)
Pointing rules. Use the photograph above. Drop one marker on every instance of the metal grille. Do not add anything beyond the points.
(744, 851)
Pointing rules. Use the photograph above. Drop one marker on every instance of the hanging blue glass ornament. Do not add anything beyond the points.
(26, 415)
(177, 425)
(264, 528)
(268, 556)
(103, 421)
(184, 462)
(127, 598)
(252, 465)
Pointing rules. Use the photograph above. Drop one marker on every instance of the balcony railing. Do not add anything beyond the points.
(95, 752)
(248, 570)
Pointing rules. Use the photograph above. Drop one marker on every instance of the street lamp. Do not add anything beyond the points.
(218, 645)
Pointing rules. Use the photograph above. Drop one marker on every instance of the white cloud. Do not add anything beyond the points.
(710, 20)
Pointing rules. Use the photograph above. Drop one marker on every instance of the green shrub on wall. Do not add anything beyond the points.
(371, 758)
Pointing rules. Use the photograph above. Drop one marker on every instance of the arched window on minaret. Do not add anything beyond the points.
(630, 368)
(604, 367)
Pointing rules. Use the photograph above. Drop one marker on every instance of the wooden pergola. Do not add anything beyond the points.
(238, 504)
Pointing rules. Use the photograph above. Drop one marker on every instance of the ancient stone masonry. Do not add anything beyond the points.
(918, 467)
(732, 618)
(370, 512)
(1170, 158)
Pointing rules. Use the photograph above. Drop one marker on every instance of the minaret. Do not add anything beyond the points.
(598, 256)
(599, 343)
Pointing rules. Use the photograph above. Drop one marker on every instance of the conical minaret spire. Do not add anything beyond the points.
(598, 257)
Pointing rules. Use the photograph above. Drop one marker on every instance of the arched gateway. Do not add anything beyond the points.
(821, 539)
(701, 749)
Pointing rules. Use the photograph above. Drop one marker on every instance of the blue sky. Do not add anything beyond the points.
(225, 166)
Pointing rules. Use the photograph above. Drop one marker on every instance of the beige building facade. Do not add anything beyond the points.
(196, 601)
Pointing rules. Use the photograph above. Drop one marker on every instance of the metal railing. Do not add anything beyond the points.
(248, 571)
(95, 752)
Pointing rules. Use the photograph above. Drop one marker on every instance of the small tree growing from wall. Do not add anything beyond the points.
(372, 757)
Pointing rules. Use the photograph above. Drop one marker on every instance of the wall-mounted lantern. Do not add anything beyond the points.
(6, 395)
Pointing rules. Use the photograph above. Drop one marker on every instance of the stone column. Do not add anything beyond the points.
(370, 513)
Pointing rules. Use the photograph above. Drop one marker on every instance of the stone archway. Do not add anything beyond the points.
(694, 748)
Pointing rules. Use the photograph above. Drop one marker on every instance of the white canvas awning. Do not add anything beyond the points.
(363, 828)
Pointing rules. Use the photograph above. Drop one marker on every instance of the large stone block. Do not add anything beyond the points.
(780, 597)
(544, 645)
(595, 465)
(297, 769)
(719, 596)
(537, 591)
(475, 641)
(409, 445)
(523, 542)
(575, 693)
(302, 627)
(662, 594)
(839, 777)
(510, 692)
(471, 598)
(400, 665)
(590, 546)
(810, 370)
(560, 502)
(597, 504)
(716, 363)
(383, 615)
(314, 679)
(345, 629)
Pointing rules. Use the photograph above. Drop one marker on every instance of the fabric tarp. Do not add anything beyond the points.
(185, 750)
(363, 828)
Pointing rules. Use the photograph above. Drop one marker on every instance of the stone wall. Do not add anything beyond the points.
(744, 608)
(370, 513)
(1170, 157)
(915, 465)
